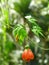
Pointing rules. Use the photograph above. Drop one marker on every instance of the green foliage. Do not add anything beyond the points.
(22, 7)
(36, 29)
(20, 32)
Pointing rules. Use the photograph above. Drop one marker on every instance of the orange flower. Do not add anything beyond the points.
(27, 55)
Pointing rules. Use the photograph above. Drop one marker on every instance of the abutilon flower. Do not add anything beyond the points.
(27, 55)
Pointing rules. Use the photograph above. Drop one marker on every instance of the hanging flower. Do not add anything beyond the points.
(27, 55)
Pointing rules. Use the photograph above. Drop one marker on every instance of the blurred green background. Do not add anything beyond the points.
(24, 22)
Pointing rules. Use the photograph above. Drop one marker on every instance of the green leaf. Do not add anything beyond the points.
(31, 19)
(21, 32)
(22, 7)
(17, 7)
(36, 29)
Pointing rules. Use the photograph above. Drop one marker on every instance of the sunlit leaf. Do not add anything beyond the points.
(20, 32)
